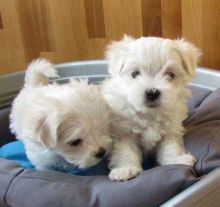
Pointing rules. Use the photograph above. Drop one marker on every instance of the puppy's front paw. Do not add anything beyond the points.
(124, 173)
(186, 159)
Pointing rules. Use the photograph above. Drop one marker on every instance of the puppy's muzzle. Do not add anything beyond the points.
(100, 153)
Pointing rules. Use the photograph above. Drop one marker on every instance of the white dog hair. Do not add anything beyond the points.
(147, 94)
(60, 125)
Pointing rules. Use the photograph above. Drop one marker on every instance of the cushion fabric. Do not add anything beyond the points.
(203, 133)
(25, 188)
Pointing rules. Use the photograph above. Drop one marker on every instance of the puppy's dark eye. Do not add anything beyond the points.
(170, 75)
(136, 73)
(75, 142)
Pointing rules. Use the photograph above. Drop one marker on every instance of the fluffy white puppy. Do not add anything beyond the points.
(147, 94)
(60, 125)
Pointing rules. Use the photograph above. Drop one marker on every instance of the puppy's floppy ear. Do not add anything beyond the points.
(190, 55)
(46, 130)
(116, 54)
(67, 127)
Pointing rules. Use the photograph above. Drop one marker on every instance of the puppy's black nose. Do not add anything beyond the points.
(100, 153)
(152, 94)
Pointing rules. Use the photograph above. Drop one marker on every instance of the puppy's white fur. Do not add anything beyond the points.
(48, 118)
(139, 126)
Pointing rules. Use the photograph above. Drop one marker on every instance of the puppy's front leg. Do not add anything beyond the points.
(172, 151)
(126, 160)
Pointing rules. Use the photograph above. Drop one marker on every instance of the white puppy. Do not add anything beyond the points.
(60, 125)
(147, 94)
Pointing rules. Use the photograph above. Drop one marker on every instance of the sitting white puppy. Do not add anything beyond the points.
(60, 125)
(147, 94)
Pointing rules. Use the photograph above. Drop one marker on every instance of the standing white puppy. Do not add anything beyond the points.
(147, 94)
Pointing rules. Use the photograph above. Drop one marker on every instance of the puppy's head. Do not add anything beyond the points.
(77, 128)
(153, 71)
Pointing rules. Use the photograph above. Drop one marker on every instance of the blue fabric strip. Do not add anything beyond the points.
(15, 151)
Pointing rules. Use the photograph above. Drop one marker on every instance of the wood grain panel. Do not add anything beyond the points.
(88, 48)
(201, 25)
(151, 17)
(192, 21)
(122, 17)
(80, 32)
(44, 25)
(65, 47)
(1, 23)
(33, 24)
(94, 18)
(211, 33)
(171, 18)
(80, 29)
(12, 55)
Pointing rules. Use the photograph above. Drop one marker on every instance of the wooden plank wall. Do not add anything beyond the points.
(70, 30)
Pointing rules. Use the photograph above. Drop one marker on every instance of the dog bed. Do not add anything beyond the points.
(20, 187)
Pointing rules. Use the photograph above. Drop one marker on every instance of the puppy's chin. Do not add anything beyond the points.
(147, 107)
(153, 105)
(141, 109)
